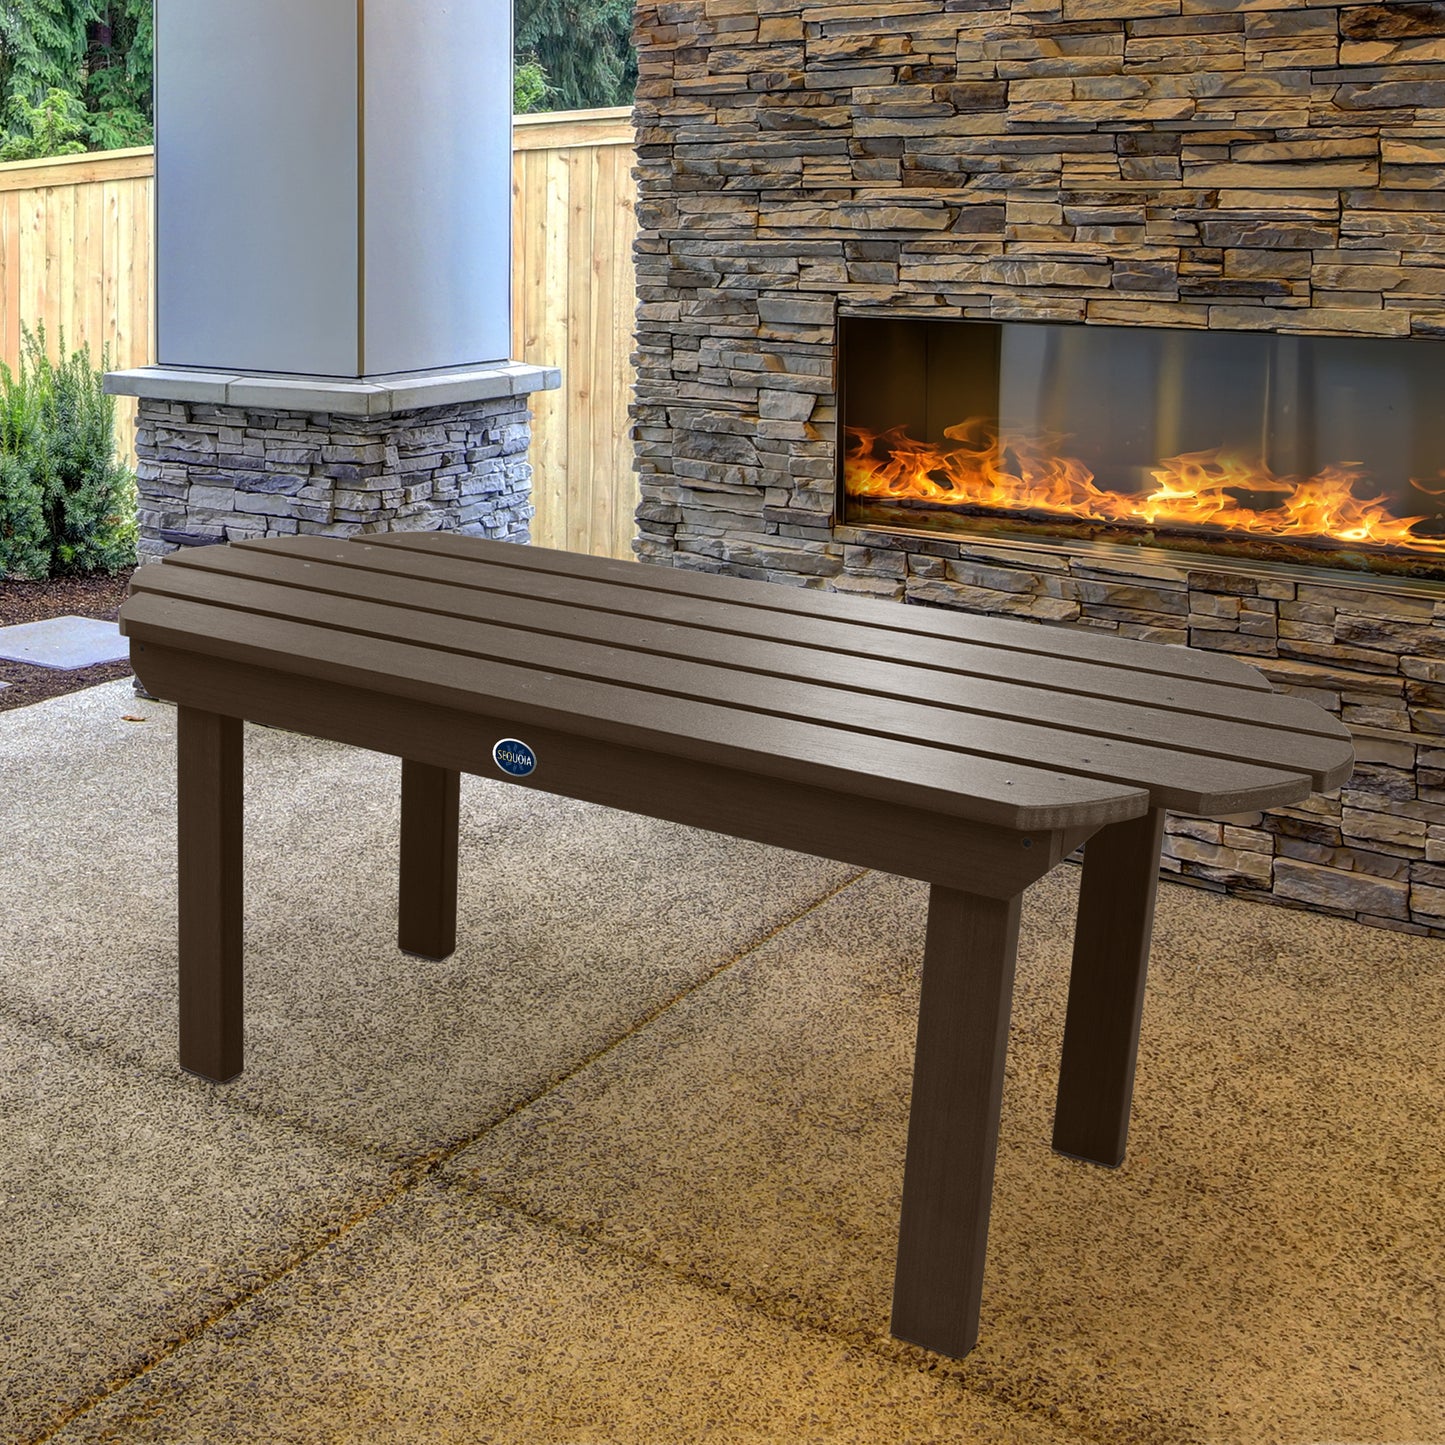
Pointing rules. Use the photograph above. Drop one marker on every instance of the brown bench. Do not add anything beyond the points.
(972, 753)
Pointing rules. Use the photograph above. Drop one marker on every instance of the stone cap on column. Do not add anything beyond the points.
(368, 396)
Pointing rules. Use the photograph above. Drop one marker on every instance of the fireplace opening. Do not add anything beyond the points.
(1325, 451)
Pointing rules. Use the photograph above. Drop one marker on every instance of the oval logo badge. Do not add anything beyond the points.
(514, 757)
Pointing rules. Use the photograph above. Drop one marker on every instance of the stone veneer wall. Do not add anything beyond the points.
(1270, 165)
(1373, 851)
(213, 473)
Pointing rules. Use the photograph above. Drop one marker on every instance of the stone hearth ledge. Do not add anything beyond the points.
(365, 396)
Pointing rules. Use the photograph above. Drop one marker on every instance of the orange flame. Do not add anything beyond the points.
(1031, 473)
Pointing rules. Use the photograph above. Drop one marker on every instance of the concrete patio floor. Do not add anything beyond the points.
(627, 1167)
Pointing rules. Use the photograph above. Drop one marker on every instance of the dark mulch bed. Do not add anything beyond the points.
(65, 597)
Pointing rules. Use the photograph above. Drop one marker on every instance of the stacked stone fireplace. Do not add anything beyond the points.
(1242, 166)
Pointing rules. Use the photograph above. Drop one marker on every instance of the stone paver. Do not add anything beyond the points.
(63, 642)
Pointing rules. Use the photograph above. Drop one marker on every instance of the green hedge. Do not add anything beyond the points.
(67, 505)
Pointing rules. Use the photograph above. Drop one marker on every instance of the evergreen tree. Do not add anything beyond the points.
(45, 44)
(120, 74)
(52, 128)
(98, 52)
(530, 91)
(585, 47)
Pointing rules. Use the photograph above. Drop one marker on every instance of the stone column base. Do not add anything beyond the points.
(225, 458)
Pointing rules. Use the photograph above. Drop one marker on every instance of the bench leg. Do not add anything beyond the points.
(968, 968)
(209, 828)
(1106, 989)
(427, 917)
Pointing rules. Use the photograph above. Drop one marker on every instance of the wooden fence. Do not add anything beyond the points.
(573, 304)
(76, 254)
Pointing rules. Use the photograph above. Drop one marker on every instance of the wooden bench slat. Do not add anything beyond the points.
(939, 780)
(985, 631)
(1196, 782)
(1088, 679)
(1327, 759)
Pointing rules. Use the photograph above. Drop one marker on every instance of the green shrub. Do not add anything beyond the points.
(530, 91)
(67, 506)
(24, 531)
(52, 128)
(24, 538)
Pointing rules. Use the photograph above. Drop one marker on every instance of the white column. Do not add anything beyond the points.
(333, 185)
